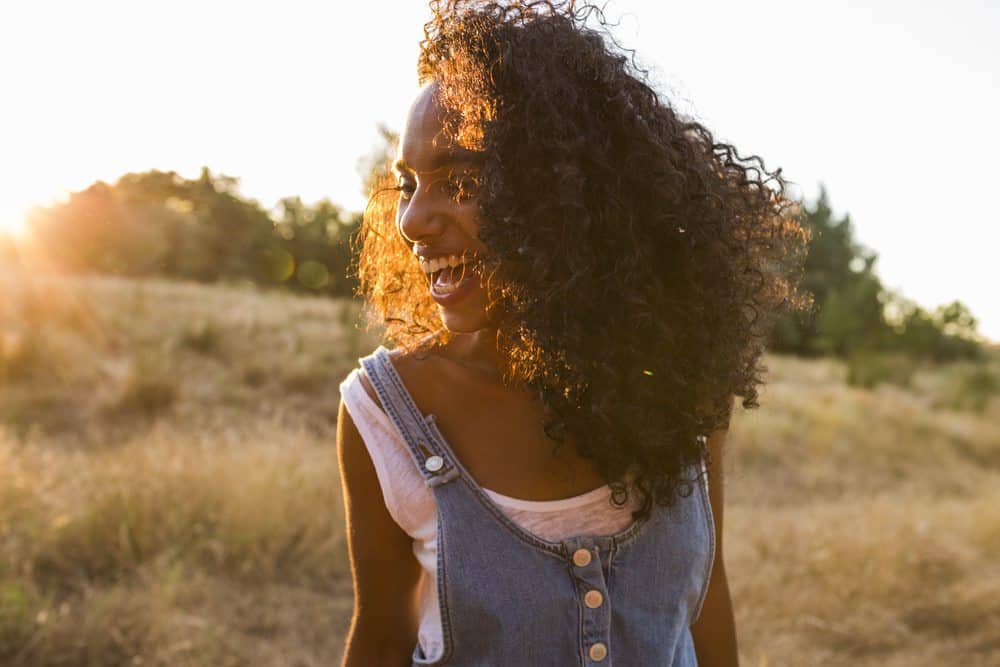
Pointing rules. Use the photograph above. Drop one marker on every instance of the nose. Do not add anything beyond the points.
(421, 218)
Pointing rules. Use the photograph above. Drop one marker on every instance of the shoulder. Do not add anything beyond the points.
(415, 368)
(369, 389)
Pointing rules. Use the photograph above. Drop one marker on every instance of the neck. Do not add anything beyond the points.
(477, 351)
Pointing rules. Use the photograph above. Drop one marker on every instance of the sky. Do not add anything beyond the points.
(894, 106)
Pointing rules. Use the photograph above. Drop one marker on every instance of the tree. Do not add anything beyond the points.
(839, 272)
(375, 167)
(158, 223)
(945, 334)
(854, 313)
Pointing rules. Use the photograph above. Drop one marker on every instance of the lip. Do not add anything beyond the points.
(425, 253)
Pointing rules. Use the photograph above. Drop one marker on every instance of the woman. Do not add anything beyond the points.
(578, 282)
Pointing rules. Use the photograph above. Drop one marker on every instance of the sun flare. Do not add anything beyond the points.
(13, 221)
(12, 226)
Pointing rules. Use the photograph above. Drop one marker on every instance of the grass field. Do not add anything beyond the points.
(169, 492)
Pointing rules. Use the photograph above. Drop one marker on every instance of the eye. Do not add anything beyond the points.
(405, 188)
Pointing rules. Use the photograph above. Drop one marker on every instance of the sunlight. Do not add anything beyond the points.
(12, 220)
(16, 211)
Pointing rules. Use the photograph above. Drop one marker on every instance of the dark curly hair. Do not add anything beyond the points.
(634, 264)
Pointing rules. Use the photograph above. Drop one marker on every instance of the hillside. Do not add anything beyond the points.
(169, 493)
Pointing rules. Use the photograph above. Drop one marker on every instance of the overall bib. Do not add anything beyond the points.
(508, 597)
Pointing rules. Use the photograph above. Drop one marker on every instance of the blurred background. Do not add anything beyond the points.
(179, 186)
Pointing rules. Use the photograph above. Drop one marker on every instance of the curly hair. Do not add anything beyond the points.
(635, 265)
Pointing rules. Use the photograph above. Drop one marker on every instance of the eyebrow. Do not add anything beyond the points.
(453, 156)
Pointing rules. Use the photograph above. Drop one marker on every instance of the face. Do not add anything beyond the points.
(437, 214)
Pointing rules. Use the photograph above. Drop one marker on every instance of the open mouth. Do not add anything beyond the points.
(450, 278)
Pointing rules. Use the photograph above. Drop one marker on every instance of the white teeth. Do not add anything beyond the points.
(438, 263)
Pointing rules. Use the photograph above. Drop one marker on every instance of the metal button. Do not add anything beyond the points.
(434, 463)
(593, 599)
(581, 558)
(598, 652)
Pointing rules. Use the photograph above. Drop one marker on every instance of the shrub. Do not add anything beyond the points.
(25, 355)
(974, 388)
(147, 390)
(203, 337)
(869, 369)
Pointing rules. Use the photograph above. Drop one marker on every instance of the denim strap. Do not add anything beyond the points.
(431, 459)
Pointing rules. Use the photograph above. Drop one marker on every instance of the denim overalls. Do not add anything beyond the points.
(508, 597)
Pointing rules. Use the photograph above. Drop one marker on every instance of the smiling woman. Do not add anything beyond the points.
(436, 183)
(577, 281)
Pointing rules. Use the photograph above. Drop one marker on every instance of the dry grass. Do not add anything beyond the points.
(862, 526)
(123, 551)
(169, 494)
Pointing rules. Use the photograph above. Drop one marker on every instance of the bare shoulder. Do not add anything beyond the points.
(413, 367)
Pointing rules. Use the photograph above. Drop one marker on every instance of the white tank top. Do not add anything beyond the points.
(411, 504)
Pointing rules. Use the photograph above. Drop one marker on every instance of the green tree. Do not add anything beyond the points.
(947, 333)
(839, 272)
(198, 229)
(854, 314)
(317, 241)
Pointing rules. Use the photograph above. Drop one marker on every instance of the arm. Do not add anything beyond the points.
(715, 630)
(384, 624)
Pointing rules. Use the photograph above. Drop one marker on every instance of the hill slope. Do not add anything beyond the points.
(169, 491)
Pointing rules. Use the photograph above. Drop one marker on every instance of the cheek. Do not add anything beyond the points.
(470, 220)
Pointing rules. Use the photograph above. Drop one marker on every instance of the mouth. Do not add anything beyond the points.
(451, 279)
(448, 269)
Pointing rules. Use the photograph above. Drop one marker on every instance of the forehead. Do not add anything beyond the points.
(423, 144)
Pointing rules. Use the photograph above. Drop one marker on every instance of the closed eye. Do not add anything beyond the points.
(406, 189)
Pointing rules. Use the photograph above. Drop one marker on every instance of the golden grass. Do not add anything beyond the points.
(862, 527)
(112, 547)
(169, 493)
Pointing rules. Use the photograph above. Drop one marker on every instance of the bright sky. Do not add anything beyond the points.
(893, 105)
